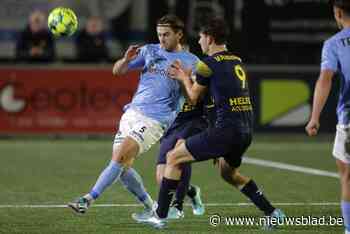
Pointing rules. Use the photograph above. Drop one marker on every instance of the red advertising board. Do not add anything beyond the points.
(63, 101)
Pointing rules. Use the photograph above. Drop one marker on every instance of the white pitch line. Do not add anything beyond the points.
(289, 167)
(206, 204)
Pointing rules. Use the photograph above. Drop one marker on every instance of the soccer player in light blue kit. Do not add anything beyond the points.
(336, 60)
(152, 110)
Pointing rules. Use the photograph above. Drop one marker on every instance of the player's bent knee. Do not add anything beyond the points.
(179, 142)
(170, 157)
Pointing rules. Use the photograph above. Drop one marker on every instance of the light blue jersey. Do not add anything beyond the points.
(158, 96)
(336, 57)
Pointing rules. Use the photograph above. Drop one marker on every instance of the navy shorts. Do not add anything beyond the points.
(181, 131)
(219, 142)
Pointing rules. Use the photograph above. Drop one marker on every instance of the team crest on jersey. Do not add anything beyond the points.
(154, 65)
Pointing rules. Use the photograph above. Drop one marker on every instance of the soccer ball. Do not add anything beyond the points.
(62, 22)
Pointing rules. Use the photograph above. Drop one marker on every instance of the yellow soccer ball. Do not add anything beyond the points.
(62, 22)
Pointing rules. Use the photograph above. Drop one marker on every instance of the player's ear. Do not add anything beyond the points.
(338, 14)
(210, 40)
(180, 34)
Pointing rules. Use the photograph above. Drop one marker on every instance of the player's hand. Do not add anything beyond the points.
(175, 71)
(132, 52)
(312, 127)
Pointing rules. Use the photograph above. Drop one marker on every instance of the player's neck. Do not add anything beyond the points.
(178, 48)
(346, 24)
(213, 49)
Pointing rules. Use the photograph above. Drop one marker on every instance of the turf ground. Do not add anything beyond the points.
(49, 173)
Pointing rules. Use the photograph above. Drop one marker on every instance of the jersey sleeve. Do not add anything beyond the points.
(203, 73)
(139, 61)
(329, 59)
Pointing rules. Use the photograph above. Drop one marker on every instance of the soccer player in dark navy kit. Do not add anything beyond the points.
(222, 75)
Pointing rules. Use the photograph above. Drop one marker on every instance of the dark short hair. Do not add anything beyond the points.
(174, 22)
(342, 4)
(217, 28)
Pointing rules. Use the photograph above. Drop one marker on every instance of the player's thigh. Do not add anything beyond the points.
(126, 152)
(172, 138)
(339, 151)
(141, 129)
(208, 144)
(167, 143)
(179, 155)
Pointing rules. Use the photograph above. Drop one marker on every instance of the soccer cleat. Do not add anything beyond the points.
(145, 214)
(154, 221)
(279, 217)
(175, 213)
(142, 216)
(196, 203)
(80, 205)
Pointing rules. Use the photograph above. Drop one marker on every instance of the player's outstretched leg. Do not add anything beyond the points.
(122, 157)
(249, 188)
(111, 173)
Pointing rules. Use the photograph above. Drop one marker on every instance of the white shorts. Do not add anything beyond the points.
(339, 151)
(144, 130)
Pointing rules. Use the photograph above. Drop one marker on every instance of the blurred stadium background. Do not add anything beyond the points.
(53, 114)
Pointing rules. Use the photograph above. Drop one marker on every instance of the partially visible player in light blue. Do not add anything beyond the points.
(152, 110)
(336, 61)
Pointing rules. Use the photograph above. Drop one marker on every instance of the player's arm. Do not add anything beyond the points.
(122, 66)
(321, 93)
(192, 90)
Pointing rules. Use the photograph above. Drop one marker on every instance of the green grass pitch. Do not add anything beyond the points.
(53, 172)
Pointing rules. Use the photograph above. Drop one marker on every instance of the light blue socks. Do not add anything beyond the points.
(345, 208)
(132, 181)
(110, 174)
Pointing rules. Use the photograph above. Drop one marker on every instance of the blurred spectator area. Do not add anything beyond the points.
(123, 19)
(65, 47)
(262, 31)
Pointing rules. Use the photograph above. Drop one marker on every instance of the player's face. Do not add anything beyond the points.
(204, 42)
(168, 39)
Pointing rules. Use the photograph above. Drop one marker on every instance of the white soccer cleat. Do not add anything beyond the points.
(152, 220)
(175, 213)
(142, 216)
(196, 203)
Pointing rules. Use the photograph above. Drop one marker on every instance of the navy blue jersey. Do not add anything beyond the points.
(209, 110)
(188, 112)
(226, 79)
